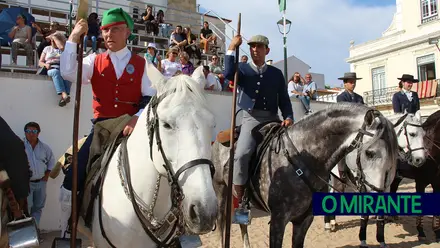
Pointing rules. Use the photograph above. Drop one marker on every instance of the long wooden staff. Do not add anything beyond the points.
(81, 14)
(231, 142)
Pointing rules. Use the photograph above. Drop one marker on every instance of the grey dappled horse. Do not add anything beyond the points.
(410, 141)
(315, 144)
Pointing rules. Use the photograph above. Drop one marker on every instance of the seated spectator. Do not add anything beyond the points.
(178, 39)
(162, 27)
(187, 66)
(45, 33)
(191, 47)
(50, 59)
(152, 56)
(206, 37)
(295, 86)
(215, 68)
(93, 32)
(170, 66)
(21, 36)
(309, 92)
(148, 18)
(244, 59)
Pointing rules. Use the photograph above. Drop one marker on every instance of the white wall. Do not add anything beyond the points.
(32, 98)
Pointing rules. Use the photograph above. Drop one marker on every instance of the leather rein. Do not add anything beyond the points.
(173, 222)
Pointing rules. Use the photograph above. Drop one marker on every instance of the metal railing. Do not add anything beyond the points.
(384, 96)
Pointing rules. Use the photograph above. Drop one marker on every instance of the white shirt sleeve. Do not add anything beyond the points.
(231, 53)
(69, 65)
(146, 89)
(290, 87)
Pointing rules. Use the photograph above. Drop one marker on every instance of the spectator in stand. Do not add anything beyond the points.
(178, 39)
(215, 68)
(148, 18)
(309, 91)
(187, 66)
(295, 88)
(152, 56)
(21, 36)
(162, 27)
(50, 59)
(93, 32)
(170, 66)
(45, 32)
(244, 59)
(191, 47)
(41, 162)
(206, 37)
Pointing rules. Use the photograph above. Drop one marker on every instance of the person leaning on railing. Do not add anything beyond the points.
(50, 59)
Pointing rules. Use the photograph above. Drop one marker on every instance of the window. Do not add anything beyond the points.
(429, 10)
(426, 67)
(379, 84)
(135, 12)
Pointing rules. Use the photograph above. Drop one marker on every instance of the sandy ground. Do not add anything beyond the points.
(401, 234)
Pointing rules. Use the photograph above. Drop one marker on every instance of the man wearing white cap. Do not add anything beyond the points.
(152, 55)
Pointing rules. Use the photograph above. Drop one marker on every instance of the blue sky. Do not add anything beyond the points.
(321, 29)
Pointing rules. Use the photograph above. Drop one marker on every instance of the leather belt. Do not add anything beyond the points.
(36, 181)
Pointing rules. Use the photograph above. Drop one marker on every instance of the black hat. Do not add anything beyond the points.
(349, 75)
(408, 78)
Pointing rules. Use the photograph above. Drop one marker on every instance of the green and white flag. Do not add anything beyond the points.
(282, 4)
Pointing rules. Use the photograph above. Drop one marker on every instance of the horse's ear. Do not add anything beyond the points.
(418, 116)
(199, 77)
(372, 119)
(405, 112)
(155, 76)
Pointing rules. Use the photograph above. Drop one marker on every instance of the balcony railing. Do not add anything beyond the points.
(384, 96)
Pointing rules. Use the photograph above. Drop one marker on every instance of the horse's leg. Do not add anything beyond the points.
(245, 236)
(420, 188)
(363, 231)
(380, 230)
(299, 231)
(277, 228)
(220, 190)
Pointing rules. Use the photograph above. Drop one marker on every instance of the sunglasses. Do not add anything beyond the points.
(31, 131)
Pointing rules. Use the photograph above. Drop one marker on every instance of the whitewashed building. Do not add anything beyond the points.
(403, 48)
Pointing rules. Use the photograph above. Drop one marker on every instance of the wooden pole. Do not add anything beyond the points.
(231, 150)
(75, 143)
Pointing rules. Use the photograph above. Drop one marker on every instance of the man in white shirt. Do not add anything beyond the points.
(119, 79)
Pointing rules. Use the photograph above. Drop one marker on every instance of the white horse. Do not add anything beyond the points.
(178, 150)
(411, 148)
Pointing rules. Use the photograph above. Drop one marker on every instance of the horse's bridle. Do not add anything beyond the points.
(406, 155)
(163, 232)
(360, 179)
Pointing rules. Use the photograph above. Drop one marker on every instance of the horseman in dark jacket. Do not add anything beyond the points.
(349, 95)
(14, 166)
(406, 99)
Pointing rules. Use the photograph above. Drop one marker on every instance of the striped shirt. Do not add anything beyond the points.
(40, 159)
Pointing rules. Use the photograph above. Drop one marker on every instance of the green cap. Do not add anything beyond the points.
(116, 16)
(261, 39)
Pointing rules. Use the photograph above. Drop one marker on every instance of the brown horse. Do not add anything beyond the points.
(429, 173)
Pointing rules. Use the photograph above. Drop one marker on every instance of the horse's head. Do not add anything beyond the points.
(410, 137)
(375, 158)
(180, 127)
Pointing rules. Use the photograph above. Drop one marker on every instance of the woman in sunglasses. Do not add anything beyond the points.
(171, 66)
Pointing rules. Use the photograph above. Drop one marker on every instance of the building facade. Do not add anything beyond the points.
(403, 48)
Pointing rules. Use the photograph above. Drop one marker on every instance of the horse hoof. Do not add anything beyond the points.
(421, 238)
(383, 245)
(333, 228)
(363, 246)
(327, 227)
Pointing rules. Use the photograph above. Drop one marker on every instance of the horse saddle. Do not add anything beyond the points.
(263, 134)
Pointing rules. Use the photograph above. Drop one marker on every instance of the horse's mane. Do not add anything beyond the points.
(410, 118)
(336, 116)
(185, 89)
(432, 120)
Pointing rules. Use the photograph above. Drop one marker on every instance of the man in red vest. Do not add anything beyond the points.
(119, 80)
